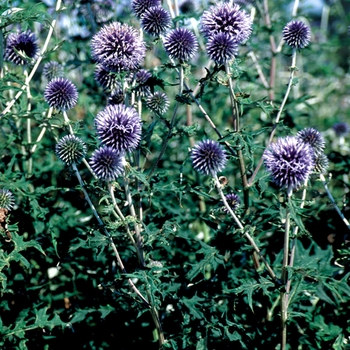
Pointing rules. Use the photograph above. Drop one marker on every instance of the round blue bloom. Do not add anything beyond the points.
(341, 128)
(297, 34)
(141, 79)
(222, 48)
(52, 70)
(158, 102)
(233, 201)
(7, 200)
(106, 79)
(71, 149)
(156, 20)
(139, 7)
(313, 138)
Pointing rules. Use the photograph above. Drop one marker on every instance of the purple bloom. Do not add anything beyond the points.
(71, 149)
(297, 34)
(341, 128)
(226, 18)
(106, 163)
(321, 163)
(106, 79)
(119, 127)
(7, 200)
(116, 97)
(52, 70)
(208, 157)
(233, 201)
(118, 47)
(289, 161)
(181, 44)
(141, 78)
(156, 20)
(61, 93)
(313, 138)
(222, 48)
(140, 6)
(187, 7)
(20, 45)
(158, 102)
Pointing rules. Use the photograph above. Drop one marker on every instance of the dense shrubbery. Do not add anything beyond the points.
(185, 186)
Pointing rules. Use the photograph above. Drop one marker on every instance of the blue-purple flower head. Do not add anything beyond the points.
(108, 80)
(141, 80)
(289, 162)
(53, 70)
(233, 201)
(156, 21)
(107, 163)
(70, 149)
(139, 7)
(158, 102)
(341, 128)
(226, 18)
(208, 157)
(61, 93)
(116, 97)
(297, 34)
(187, 7)
(313, 138)
(181, 44)
(119, 127)
(7, 200)
(118, 47)
(222, 48)
(21, 48)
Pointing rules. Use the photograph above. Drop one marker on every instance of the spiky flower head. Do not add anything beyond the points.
(187, 7)
(140, 6)
(226, 18)
(118, 47)
(289, 162)
(208, 157)
(181, 44)
(222, 48)
(108, 80)
(116, 97)
(156, 21)
(70, 149)
(158, 102)
(321, 163)
(7, 200)
(107, 163)
(21, 48)
(119, 127)
(313, 138)
(341, 128)
(297, 34)
(61, 93)
(52, 70)
(141, 79)
(233, 201)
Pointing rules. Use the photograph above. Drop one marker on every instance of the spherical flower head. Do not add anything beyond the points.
(52, 70)
(71, 149)
(297, 34)
(158, 102)
(313, 138)
(341, 128)
(140, 6)
(156, 21)
(118, 47)
(321, 163)
(61, 93)
(289, 162)
(187, 7)
(21, 48)
(106, 79)
(222, 48)
(141, 78)
(116, 97)
(227, 18)
(7, 200)
(233, 201)
(119, 127)
(208, 157)
(107, 163)
(181, 44)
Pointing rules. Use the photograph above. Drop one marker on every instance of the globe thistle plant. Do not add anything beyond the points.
(71, 149)
(119, 127)
(321, 163)
(156, 21)
(7, 200)
(341, 129)
(226, 18)
(139, 7)
(106, 79)
(289, 162)
(313, 138)
(118, 47)
(21, 48)
(297, 34)
(116, 97)
(158, 102)
(52, 70)
(222, 48)
(106, 163)
(61, 93)
(141, 78)
(233, 201)
(181, 44)
(187, 7)
(208, 157)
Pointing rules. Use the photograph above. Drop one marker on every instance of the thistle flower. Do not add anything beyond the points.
(119, 127)
(52, 70)
(118, 47)
(181, 44)
(313, 138)
(140, 6)
(233, 201)
(297, 34)
(107, 163)
(156, 20)
(289, 162)
(226, 18)
(61, 93)
(341, 128)
(321, 163)
(70, 149)
(208, 157)
(7, 200)
(158, 102)
(187, 7)
(222, 48)
(21, 47)
(105, 78)
(116, 97)
(141, 78)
